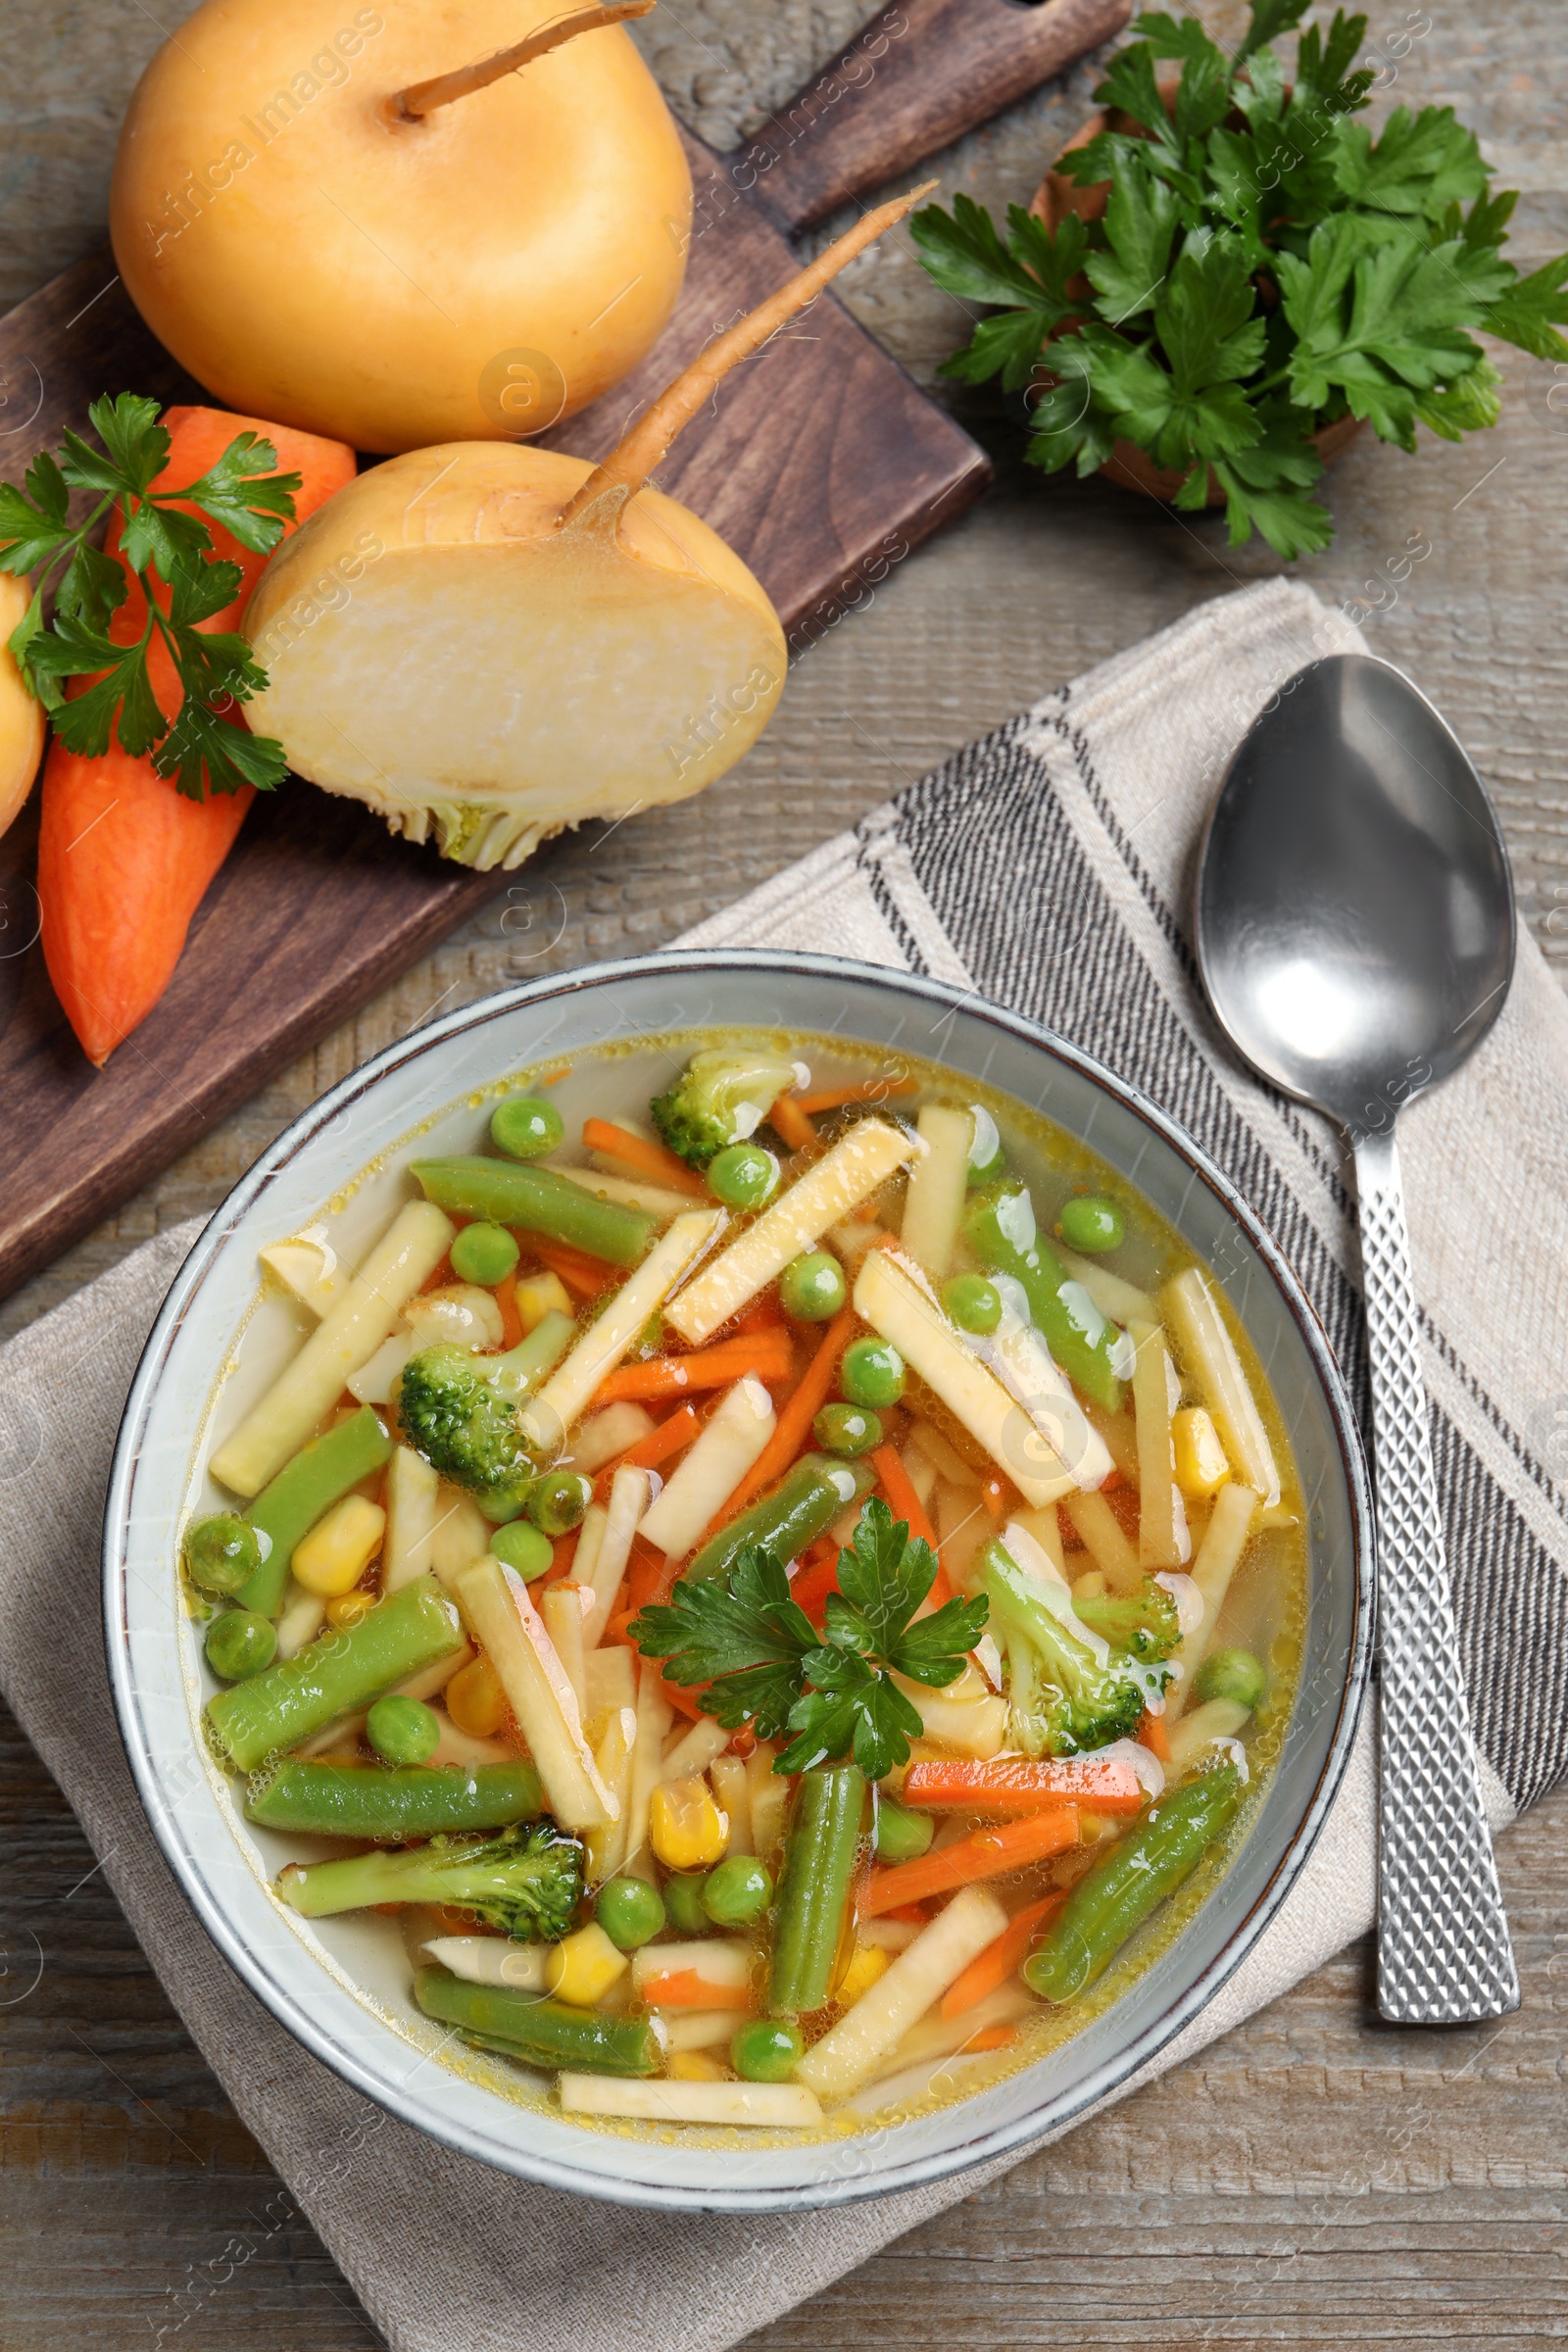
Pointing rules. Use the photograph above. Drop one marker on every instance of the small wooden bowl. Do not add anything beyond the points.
(1055, 197)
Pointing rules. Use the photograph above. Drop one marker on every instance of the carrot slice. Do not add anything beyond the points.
(1152, 1735)
(786, 1118)
(505, 1295)
(869, 1090)
(795, 1420)
(1012, 1784)
(816, 1579)
(905, 1503)
(587, 1276)
(1002, 1959)
(684, 1988)
(767, 1355)
(991, 2038)
(636, 1152)
(660, 1443)
(987, 1854)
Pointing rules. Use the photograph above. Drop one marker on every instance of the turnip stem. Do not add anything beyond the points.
(629, 465)
(423, 98)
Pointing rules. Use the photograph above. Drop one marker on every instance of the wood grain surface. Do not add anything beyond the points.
(1315, 2179)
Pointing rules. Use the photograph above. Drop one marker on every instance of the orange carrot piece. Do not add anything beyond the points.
(787, 1119)
(123, 858)
(991, 2038)
(505, 1295)
(636, 1152)
(587, 1276)
(1152, 1735)
(1014, 1786)
(869, 1090)
(1002, 1959)
(905, 1503)
(915, 1913)
(685, 1988)
(994, 1495)
(813, 1582)
(763, 1314)
(986, 1854)
(795, 1421)
(669, 1438)
(767, 1357)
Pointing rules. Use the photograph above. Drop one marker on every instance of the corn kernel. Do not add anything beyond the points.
(350, 1607)
(475, 1701)
(686, 1830)
(585, 1966)
(696, 2066)
(1200, 1463)
(541, 1294)
(869, 1963)
(339, 1549)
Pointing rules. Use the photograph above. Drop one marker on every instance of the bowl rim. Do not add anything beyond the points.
(1059, 2113)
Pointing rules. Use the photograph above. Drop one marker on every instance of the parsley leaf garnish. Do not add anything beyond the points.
(764, 1663)
(204, 745)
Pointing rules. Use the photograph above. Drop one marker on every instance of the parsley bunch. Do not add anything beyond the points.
(766, 1665)
(202, 748)
(1264, 268)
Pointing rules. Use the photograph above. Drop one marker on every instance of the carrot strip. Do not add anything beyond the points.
(587, 1276)
(795, 1420)
(636, 1152)
(505, 1295)
(899, 1488)
(767, 1357)
(1000, 1960)
(994, 1495)
(787, 1119)
(991, 2038)
(660, 1443)
(1152, 1735)
(869, 1090)
(814, 1581)
(1013, 1786)
(915, 1913)
(685, 1988)
(763, 1314)
(987, 1854)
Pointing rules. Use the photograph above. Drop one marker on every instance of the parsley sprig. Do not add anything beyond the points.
(1264, 268)
(766, 1664)
(204, 747)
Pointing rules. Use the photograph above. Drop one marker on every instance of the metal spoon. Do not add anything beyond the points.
(1356, 932)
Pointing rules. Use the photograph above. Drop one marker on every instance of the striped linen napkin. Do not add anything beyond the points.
(1050, 868)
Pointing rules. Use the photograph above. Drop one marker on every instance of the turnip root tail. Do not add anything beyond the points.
(629, 466)
(421, 98)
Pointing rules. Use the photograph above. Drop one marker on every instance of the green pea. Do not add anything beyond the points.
(986, 1160)
(871, 1373)
(975, 1304)
(812, 1288)
(737, 1891)
(846, 1429)
(1231, 1673)
(900, 1836)
(557, 1501)
(402, 1731)
(503, 1504)
(484, 1254)
(240, 1643)
(766, 2049)
(742, 1176)
(525, 1127)
(527, 1548)
(223, 1552)
(1091, 1224)
(683, 1901)
(630, 1912)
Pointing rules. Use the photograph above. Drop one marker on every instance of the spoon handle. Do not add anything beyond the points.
(1443, 1953)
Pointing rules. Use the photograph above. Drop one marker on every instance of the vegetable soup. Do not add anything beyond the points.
(776, 1572)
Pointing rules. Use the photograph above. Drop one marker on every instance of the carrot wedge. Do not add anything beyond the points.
(787, 1120)
(767, 1357)
(1002, 1959)
(987, 1854)
(1013, 1786)
(636, 1152)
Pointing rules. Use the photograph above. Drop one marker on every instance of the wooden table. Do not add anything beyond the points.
(1316, 2178)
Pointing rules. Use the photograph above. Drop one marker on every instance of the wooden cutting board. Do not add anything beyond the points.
(822, 464)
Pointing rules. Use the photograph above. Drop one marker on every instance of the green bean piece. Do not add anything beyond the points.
(742, 1176)
(390, 1806)
(871, 1374)
(1000, 1230)
(508, 1192)
(1232, 1674)
(1089, 1223)
(240, 1643)
(846, 1430)
(737, 1890)
(223, 1552)
(986, 1157)
(900, 1836)
(766, 2049)
(972, 1303)
(556, 1502)
(402, 1731)
(545, 2034)
(791, 1515)
(811, 1289)
(336, 1675)
(683, 1903)
(523, 1547)
(1117, 1895)
(305, 1491)
(526, 1126)
(814, 1890)
(630, 1912)
(484, 1254)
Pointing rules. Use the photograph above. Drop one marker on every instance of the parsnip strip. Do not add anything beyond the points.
(467, 1747)
(495, 1603)
(1100, 1532)
(611, 1674)
(1043, 1526)
(309, 1270)
(490, 1960)
(1230, 1523)
(732, 1789)
(857, 1163)
(937, 2036)
(934, 1201)
(698, 2028)
(566, 1396)
(611, 1432)
(628, 1500)
(1117, 1301)
(897, 1303)
(305, 1391)
(770, 1795)
(411, 1491)
(300, 1620)
(1163, 1538)
(606, 1846)
(970, 1726)
(695, 1750)
(723, 1962)
(1215, 1719)
(560, 1608)
(459, 1537)
(710, 1470)
(654, 1714)
(1017, 1352)
(918, 1976)
(771, 2106)
(636, 1192)
(1215, 1370)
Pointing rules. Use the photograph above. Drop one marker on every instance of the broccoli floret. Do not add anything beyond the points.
(526, 1881)
(1146, 1624)
(723, 1096)
(453, 1413)
(1061, 1700)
